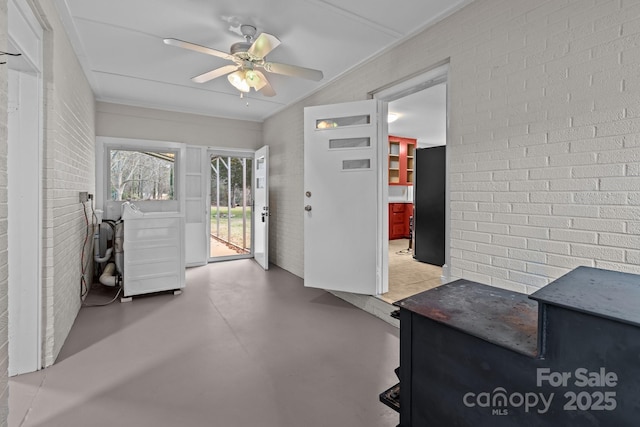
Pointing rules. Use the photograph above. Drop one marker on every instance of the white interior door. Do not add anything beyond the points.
(261, 207)
(196, 212)
(341, 200)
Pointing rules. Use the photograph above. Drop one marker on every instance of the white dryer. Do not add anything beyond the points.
(153, 251)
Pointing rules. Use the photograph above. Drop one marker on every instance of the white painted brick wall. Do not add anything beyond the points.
(69, 167)
(285, 193)
(544, 138)
(4, 261)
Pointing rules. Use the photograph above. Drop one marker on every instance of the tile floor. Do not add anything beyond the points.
(239, 348)
(406, 275)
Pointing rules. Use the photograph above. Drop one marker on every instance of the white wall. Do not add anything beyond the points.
(4, 315)
(122, 121)
(543, 138)
(69, 162)
(283, 133)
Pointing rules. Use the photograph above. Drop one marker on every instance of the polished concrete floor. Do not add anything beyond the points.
(240, 347)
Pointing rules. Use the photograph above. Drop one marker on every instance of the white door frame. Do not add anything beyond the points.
(435, 76)
(25, 190)
(196, 246)
(230, 152)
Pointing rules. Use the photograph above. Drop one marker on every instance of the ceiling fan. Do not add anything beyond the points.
(248, 59)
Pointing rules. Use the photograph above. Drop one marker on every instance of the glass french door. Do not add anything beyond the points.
(231, 207)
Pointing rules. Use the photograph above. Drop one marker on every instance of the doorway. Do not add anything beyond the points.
(346, 183)
(417, 117)
(231, 206)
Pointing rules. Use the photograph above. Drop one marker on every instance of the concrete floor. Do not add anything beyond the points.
(240, 347)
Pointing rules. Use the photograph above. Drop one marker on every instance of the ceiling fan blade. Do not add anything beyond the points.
(264, 87)
(198, 48)
(264, 44)
(202, 78)
(293, 70)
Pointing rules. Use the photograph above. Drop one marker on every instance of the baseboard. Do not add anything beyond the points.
(370, 304)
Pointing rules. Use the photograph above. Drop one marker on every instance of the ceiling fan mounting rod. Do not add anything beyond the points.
(248, 31)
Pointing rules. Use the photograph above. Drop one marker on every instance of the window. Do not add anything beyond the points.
(141, 175)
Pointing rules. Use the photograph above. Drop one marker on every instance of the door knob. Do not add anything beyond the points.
(307, 208)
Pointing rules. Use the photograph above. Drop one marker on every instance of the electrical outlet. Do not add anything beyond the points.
(84, 196)
(90, 196)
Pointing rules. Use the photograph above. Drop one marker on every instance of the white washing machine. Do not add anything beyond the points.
(153, 251)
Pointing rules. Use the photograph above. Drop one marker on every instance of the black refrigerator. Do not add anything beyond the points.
(428, 205)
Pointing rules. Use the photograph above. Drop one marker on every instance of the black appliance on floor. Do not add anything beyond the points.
(428, 205)
(473, 355)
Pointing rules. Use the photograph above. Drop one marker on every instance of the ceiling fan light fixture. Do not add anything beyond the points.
(248, 58)
(238, 80)
(253, 79)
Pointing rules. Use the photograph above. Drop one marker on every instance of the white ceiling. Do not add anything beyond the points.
(422, 116)
(119, 44)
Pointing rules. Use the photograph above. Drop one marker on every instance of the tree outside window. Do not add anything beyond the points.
(141, 175)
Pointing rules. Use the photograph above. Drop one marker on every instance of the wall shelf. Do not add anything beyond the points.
(401, 160)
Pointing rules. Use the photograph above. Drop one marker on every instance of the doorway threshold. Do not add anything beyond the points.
(370, 304)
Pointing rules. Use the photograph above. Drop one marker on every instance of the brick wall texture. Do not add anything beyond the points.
(69, 167)
(69, 159)
(543, 138)
(4, 259)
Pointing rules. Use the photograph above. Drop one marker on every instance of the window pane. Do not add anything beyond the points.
(356, 164)
(335, 122)
(142, 175)
(260, 179)
(349, 143)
